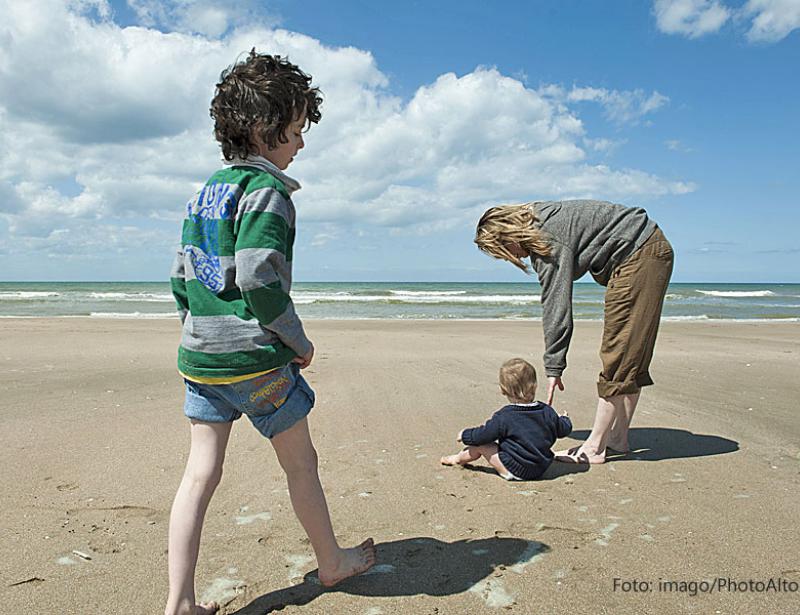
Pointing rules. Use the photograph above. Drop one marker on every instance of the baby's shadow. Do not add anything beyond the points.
(412, 567)
(659, 443)
(556, 470)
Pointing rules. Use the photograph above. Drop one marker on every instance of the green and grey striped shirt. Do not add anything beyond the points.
(233, 274)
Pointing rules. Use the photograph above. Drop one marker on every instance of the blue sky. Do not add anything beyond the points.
(433, 111)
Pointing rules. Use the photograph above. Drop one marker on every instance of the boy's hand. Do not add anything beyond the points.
(306, 359)
(552, 383)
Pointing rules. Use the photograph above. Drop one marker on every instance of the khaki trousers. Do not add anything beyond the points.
(633, 303)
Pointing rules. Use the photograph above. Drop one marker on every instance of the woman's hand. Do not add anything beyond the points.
(552, 383)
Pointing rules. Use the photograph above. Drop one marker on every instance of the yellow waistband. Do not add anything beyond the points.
(224, 379)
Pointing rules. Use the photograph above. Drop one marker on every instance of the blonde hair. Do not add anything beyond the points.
(518, 380)
(506, 224)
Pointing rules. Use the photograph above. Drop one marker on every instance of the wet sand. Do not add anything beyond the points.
(94, 444)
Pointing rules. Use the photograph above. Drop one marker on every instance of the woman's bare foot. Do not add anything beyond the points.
(618, 444)
(351, 563)
(578, 455)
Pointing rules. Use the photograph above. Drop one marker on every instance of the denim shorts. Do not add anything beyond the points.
(273, 401)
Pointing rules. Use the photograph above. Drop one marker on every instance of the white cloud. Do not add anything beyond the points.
(604, 145)
(677, 146)
(207, 17)
(693, 18)
(622, 107)
(105, 125)
(772, 19)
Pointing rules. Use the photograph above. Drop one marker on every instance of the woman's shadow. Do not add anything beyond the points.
(411, 567)
(659, 443)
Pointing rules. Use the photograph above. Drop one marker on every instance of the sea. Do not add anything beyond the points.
(404, 300)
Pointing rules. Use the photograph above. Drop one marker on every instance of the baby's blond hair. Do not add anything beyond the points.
(506, 224)
(518, 380)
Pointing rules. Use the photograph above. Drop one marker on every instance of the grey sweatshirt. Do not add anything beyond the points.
(585, 236)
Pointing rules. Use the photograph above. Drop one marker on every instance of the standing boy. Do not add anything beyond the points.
(243, 345)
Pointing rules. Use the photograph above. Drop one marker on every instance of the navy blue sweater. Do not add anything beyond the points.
(525, 436)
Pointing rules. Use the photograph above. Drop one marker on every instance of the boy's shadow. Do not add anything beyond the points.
(410, 567)
(555, 470)
(659, 443)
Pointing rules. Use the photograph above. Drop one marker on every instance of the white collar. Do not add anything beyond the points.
(262, 163)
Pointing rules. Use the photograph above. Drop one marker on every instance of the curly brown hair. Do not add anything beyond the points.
(261, 96)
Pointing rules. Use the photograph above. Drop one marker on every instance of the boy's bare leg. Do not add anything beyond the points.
(463, 457)
(490, 452)
(618, 437)
(298, 459)
(200, 479)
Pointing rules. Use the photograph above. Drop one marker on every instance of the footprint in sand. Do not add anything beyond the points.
(534, 551)
(606, 532)
(492, 590)
(493, 593)
(126, 511)
(296, 565)
(222, 590)
(248, 519)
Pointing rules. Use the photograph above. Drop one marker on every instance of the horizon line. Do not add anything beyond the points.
(166, 281)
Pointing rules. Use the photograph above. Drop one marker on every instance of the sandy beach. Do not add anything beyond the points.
(94, 443)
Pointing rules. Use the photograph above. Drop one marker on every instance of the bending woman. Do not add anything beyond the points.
(624, 251)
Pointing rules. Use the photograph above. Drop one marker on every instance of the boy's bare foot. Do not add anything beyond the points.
(449, 460)
(578, 455)
(208, 608)
(352, 562)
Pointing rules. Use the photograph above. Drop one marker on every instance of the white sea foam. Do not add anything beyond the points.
(435, 293)
(737, 293)
(428, 298)
(133, 315)
(26, 294)
(133, 296)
